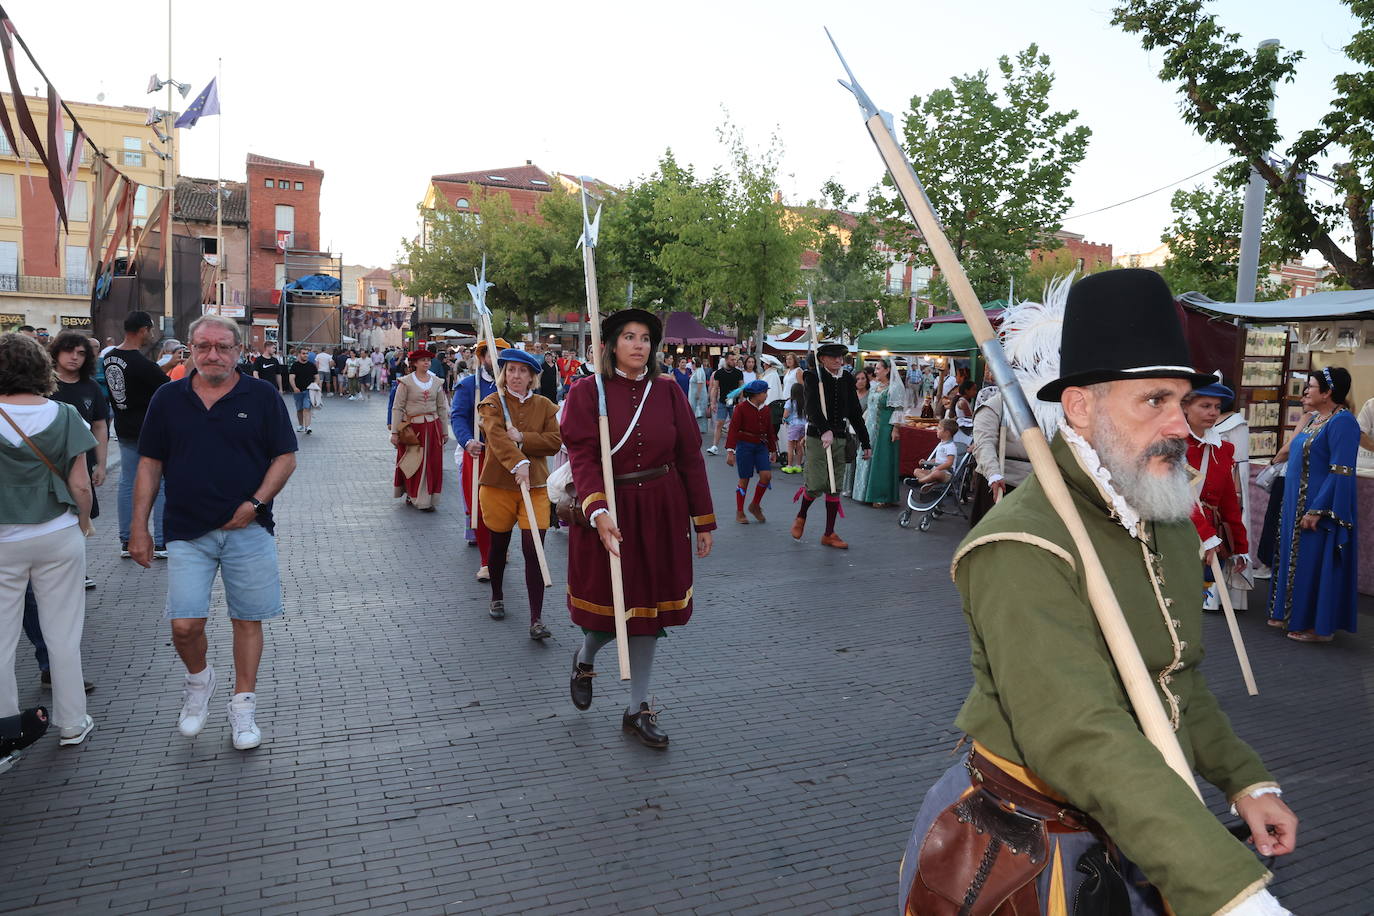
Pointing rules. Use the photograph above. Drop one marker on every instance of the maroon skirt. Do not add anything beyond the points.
(655, 560)
(431, 470)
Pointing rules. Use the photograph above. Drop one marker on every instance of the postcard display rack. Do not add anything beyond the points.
(1263, 390)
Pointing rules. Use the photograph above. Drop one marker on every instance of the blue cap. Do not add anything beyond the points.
(1215, 390)
(515, 355)
(755, 387)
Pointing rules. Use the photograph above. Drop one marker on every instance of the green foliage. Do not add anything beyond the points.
(1204, 244)
(996, 166)
(847, 284)
(1226, 92)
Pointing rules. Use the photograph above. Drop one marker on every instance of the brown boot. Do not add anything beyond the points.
(757, 511)
(739, 517)
(834, 540)
(798, 528)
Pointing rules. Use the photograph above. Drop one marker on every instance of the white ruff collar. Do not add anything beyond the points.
(1121, 510)
(1210, 437)
(635, 379)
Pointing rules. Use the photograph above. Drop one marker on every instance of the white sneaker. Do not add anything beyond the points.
(300, 429)
(483, 575)
(75, 734)
(195, 705)
(245, 731)
(160, 553)
(713, 450)
(309, 430)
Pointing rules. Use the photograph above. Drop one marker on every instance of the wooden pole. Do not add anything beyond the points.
(622, 634)
(524, 487)
(820, 389)
(1141, 690)
(1224, 594)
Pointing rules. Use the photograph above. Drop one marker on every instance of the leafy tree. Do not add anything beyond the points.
(732, 241)
(1204, 244)
(847, 283)
(1226, 91)
(996, 166)
(633, 234)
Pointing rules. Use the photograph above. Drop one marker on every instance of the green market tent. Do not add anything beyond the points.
(947, 337)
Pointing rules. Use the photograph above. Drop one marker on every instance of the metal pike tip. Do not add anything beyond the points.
(860, 96)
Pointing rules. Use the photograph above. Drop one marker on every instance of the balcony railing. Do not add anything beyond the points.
(297, 241)
(26, 150)
(45, 286)
(445, 311)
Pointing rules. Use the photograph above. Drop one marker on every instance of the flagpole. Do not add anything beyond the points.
(219, 201)
(170, 168)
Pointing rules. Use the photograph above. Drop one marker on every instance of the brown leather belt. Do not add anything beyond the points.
(1006, 788)
(643, 476)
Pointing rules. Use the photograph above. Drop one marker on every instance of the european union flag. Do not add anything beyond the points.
(207, 103)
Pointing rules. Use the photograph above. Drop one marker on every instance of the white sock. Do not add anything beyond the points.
(244, 698)
(201, 679)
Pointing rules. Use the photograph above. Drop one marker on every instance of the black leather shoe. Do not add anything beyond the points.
(644, 726)
(580, 686)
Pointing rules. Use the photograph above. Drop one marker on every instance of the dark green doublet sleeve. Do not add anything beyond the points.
(1046, 694)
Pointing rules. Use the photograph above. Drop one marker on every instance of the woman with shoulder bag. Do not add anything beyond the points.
(662, 496)
(419, 431)
(45, 508)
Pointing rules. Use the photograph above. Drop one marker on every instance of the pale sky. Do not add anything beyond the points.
(382, 96)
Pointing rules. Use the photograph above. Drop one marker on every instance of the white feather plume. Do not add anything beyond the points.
(1031, 333)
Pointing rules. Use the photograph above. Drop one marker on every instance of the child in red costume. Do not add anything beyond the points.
(751, 442)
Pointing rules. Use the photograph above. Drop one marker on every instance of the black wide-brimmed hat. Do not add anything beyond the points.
(1121, 324)
(832, 349)
(612, 323)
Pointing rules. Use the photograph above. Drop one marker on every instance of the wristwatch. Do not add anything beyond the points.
(258, 505)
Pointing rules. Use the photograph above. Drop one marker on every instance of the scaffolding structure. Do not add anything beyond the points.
(312, 317)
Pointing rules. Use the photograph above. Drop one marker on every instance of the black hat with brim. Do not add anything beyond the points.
(832, 349)
(1119, 325)
(612, 323)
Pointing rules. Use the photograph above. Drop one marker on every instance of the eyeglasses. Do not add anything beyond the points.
(222, 349)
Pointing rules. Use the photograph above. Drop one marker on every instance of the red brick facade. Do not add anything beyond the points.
(293, 185)
(1087, 256)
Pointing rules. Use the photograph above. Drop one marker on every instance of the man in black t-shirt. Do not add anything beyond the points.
(132, 378)
(267, 367)
(723, 381)
(302, 374)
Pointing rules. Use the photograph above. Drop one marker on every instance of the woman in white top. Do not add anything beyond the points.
(751, 369)
(45, 507)
(792, 374)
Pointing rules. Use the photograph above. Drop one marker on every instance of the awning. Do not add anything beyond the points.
(683, 329)
(1340, 303)
(946, 337)
(992, 309)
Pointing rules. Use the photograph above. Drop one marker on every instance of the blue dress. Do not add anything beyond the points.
(1314, 582)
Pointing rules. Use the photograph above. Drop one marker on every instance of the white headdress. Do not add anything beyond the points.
(1031, 332)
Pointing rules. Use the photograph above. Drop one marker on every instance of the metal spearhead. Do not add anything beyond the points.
(865, 103)
(591, 228)
(479, 289)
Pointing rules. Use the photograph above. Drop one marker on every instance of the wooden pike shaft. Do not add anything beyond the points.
(1149, 710)
(1224, 594)
(524, 487)
(622, 633)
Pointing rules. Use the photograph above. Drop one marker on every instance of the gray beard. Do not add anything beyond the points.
(1157, 497)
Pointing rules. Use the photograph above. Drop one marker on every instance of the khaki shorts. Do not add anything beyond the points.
(815, 473)
(502, 509)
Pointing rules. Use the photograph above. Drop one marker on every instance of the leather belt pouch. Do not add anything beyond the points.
(979, 859)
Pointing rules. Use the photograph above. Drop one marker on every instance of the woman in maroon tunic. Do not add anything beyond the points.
(661, 495)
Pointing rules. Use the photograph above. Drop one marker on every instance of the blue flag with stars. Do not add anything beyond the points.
(206, 104)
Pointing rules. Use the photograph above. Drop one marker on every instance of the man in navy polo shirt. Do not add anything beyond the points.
(223, 443)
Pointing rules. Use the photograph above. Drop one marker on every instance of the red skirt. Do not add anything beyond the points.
(655, 560)
(425, 485)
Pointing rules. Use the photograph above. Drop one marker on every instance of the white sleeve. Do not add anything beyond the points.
(1260, 903)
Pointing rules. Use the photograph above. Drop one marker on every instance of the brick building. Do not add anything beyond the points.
(284, 244)
(1087, 256)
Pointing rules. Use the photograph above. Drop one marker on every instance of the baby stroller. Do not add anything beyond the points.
(935, 499)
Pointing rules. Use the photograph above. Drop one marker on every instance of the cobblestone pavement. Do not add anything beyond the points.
(421, 757)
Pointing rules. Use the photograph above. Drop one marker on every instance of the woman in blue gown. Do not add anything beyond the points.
(1313, 590)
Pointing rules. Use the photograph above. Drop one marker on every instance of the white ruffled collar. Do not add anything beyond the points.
(1210, 437)
(1087, 456)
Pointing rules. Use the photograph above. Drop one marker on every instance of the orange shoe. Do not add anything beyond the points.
(739, 517)
(757, 511)
(834, 540)
(798, 528)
